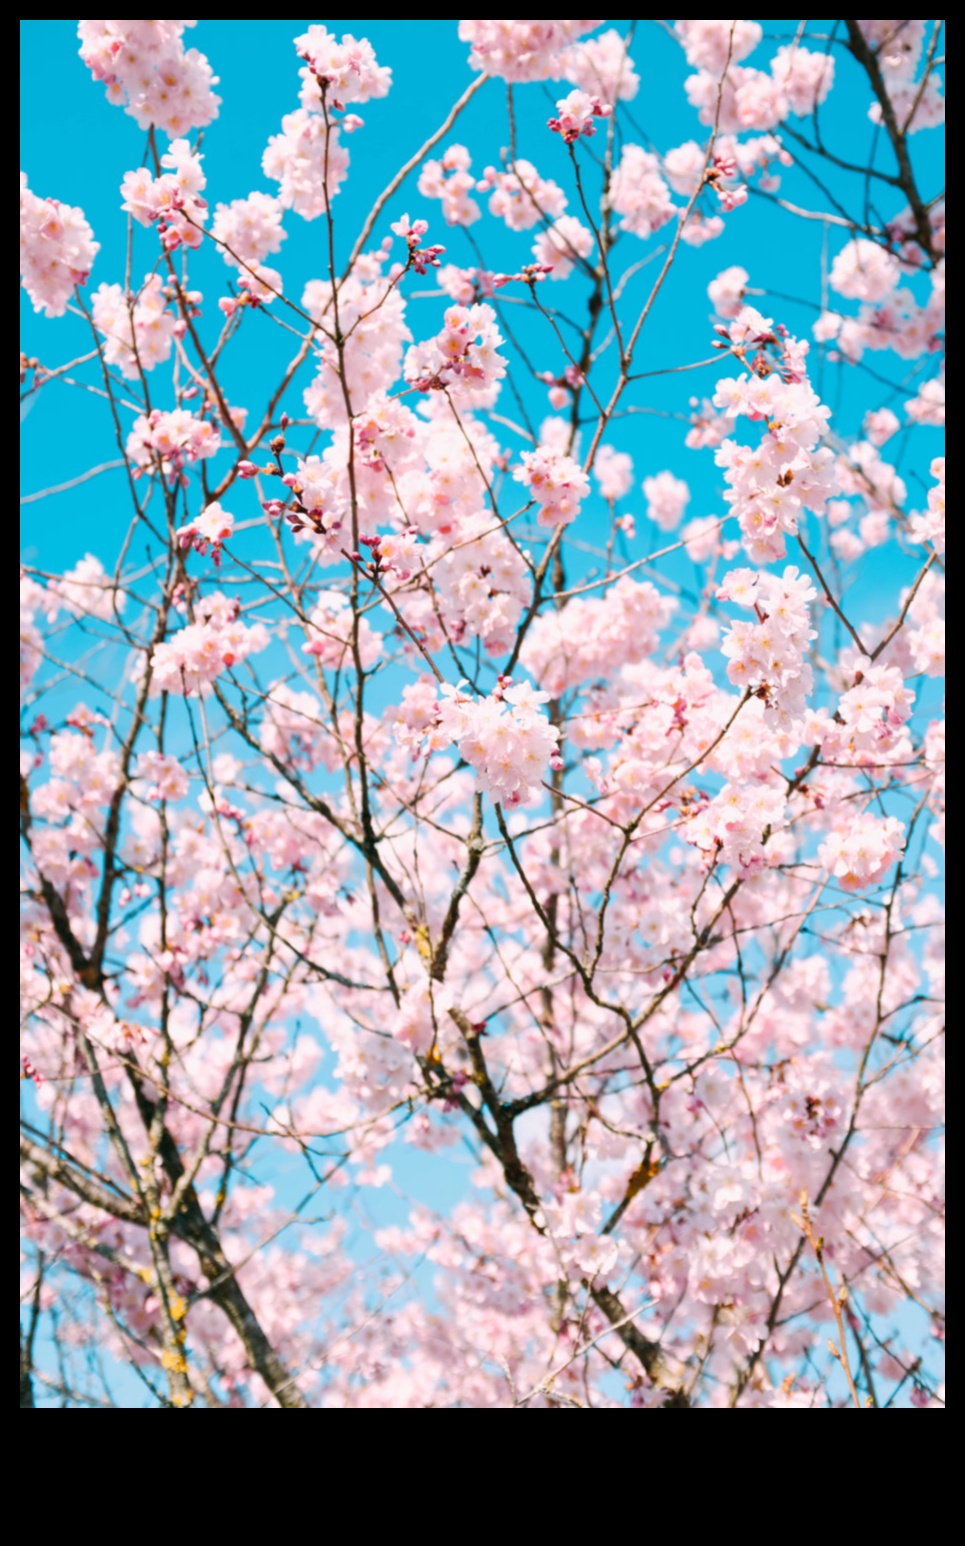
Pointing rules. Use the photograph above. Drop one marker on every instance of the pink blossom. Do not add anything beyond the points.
(727, 291)
(575, 115)
(349, 69)
(209, 529)
(172, 439)
(667, 498)
(505, 738)
(172, 200)
(308, 161)
(613, 471)
(768, 654)
(600, 66)
(919, 104)
(928, 406)
(147, 69)
(451, 181)
(684, 167)
(709, 44)
(195, 656)
(698, 229)
(164, 777)
(880, 425)
(591, 638)
(329, 635)
(864, 271)
(639, 194)
(861, 852)
(88, 591)
(561, 244)
(412, 233)
(790, 471)
(803, 76)
(137, 336)
(463, 356)
(701, 537)
(458, 283)
(521, 196)
(520, 50)
(373, 318)
(57, 250)
(424, 1005)
(556, 482)
(250, 227)
(930, 526)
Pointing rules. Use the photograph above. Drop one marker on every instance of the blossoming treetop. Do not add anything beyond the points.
(393, 786)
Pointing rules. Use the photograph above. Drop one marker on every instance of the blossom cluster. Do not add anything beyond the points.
(601, 66)
(172, 200)
(520, 50)
(790, 471)
(504, 737)
(249, 229)
(57, 250)
(560, 247)
(591, 638)
(613, 471)
(575, 114)
(768, 655)
(918, 104)
(372, 314)
(147, 70)
(861, 851)
(171, 440)
(638, 193)
(209, 529)
(196, 655)
(329, 635)
(308, 161)
(138, 332)
(556, 482)
(348, 69)
(667, 499)
(889, 316)
(450, 180)
(798, 82)
(520, 196)
(462, 357)
(930, 526)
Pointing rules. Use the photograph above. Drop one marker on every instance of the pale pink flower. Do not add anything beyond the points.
(57, 251)
(556, 482)
(348, 68)
(862, 850)
(613, 471)
(147, 69)
(639, 194)
(520, 50)
(137, 335)
(562, 244)
(601, 66)
(575, 114)
(667, 498)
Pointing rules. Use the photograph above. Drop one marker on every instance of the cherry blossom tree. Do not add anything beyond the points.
(394, 793)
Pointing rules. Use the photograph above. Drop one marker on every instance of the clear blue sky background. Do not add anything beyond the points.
(76, 147)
